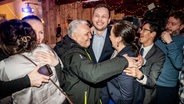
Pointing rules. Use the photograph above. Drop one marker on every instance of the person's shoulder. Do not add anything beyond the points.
(43, 47)
(158, 50)
(179, 39)
(13, 59)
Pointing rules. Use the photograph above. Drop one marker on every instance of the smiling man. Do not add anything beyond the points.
(101, 47)
(154, 59)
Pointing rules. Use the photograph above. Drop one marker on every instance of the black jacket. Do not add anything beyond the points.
(107, 49)
(125, 89)
(81, 75)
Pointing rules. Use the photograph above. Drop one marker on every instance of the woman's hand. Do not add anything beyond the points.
(36, 79)
(47, 58)
(134, 72)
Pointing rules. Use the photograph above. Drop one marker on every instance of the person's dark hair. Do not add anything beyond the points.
(155, 26)
(16, 36)
(126, 30)
(178, 15)
(89, 23)
(31, 17)
(102, 6)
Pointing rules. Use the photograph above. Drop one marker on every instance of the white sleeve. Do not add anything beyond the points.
(3, 75)
(143, 81)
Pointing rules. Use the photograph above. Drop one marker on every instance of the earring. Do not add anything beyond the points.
(117, 44)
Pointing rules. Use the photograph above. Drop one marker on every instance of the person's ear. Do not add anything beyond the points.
(182, 27)
(153, 34)
(74, 37)
(109, 20)
(119, 39)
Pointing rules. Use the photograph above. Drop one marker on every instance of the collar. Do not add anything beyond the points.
(103, 34)
(146, 49)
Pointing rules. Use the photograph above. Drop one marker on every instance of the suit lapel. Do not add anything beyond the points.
(107, 49)
(90, 50)
(151, 52)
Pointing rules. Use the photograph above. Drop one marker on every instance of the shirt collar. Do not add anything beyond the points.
(146, 49)
(103, 34)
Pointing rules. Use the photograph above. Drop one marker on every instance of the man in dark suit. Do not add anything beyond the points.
(100, 48)
(154, 58)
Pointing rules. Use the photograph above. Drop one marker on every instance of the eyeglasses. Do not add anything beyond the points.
(143, 29)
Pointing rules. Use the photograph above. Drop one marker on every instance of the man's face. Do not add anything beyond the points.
(146, 36)
(101, 18)
(82, 35)
(38, 28)
(174, 25)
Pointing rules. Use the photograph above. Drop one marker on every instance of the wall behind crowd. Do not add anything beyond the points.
(63, 14)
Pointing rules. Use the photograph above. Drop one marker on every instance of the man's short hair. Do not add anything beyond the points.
(31, 17)
(73, 26)
(102, 6)
(178, 15)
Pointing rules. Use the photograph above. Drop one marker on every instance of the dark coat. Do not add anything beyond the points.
(81, 75)
(154, 62)
(107, 49)
(124, 89)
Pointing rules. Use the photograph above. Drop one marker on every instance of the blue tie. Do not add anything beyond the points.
(141, 51)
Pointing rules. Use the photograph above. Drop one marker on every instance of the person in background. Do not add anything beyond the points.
(154, 59)
(124, 89)
(80, 72)
(18, 40)
(181, 87)
(171, 44)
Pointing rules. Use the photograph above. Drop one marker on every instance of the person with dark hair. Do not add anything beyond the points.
(154, 58)
(101, 48)
(31, 79)
(58, 31)
(171, 43)
(80, 72)
(34, 78)
(124, 89)
(31, 17)
(19, 42)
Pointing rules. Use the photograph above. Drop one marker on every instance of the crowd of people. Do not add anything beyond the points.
(102, 64)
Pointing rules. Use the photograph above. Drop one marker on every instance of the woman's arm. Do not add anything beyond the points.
(7, 88)
(33, 79)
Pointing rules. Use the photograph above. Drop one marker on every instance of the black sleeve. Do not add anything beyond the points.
(59, 73)
(7, 88)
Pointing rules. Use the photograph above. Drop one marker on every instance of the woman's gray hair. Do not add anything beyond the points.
(73, 26)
